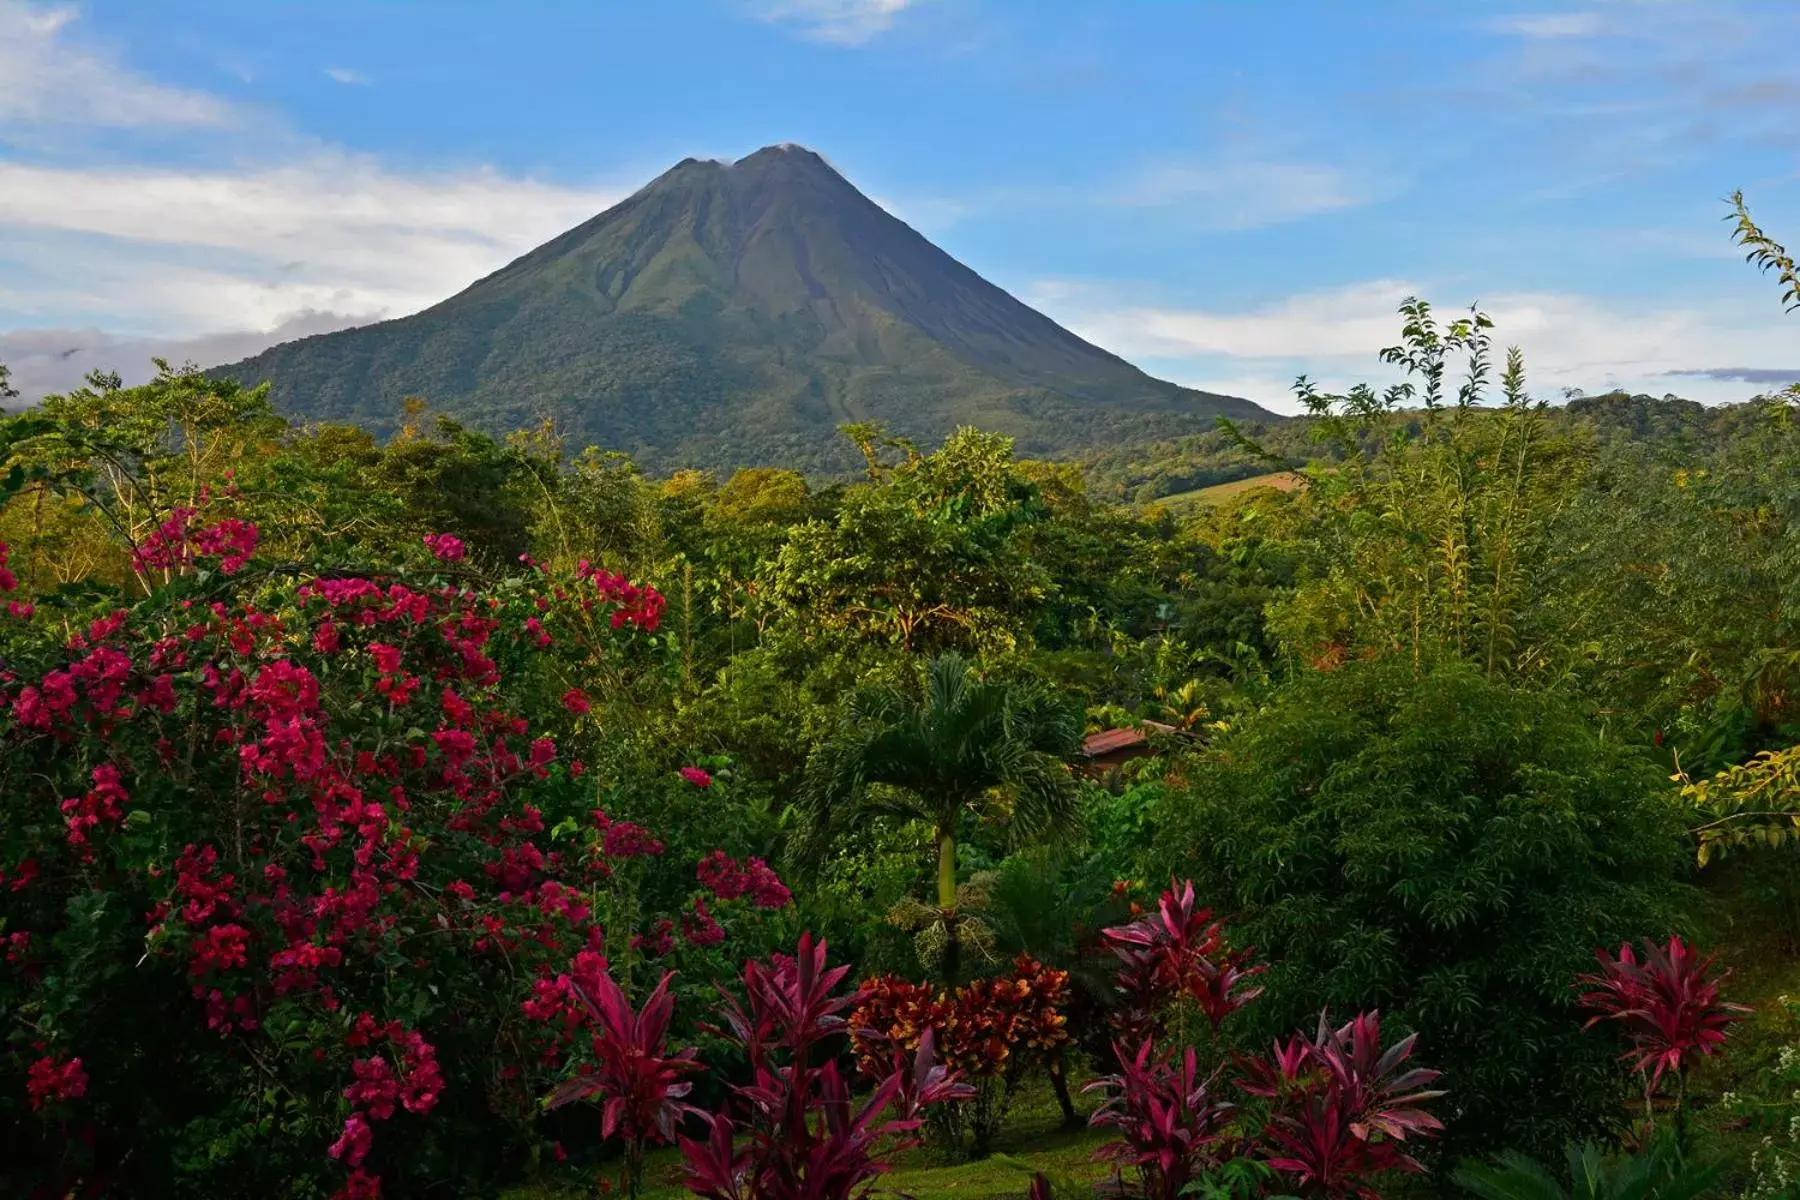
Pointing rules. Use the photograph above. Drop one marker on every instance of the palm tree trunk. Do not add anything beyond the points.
(946, 886)
(1059, 1080)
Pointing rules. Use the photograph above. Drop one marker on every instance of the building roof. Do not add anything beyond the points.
(1111, 741)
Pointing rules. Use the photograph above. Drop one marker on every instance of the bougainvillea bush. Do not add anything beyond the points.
(295, 870)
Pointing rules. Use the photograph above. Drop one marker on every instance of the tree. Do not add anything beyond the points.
(7, 390)
(932, 557)
(1451, 849)
(1430, 543)
(965, 749)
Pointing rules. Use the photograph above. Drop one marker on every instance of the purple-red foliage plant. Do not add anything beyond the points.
(1177, 951)
(1335, 1110)
(1670, 1007)
(637, 1080)
(1342, 1107)
(1170, 1117)
(803, 1136)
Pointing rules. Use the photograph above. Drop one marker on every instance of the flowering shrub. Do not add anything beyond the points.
(181, 540)
(444, 546)
(1767, 1106)
(991, 1031)
(288, 872)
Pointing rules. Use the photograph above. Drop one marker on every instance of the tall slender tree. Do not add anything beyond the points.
(958, 751)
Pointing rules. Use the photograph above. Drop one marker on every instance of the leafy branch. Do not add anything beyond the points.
(1765, 252)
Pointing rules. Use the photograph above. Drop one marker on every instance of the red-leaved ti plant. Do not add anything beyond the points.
(1170, 1118)
(804, 1137)
(1342, 1107)
(1173, 952)
(1669, 1005)
(635, 1077)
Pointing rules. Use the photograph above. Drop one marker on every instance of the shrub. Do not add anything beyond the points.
(991, 1031)
(805, 1137)
(1449, 849)
(1335, 1109)
(1670, 1008)
(287, 876)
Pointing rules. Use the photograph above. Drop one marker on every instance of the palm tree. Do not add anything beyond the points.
(965, 750)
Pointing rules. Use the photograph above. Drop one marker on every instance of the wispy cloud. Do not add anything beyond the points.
(44, 361)
(346, 76)
(214, 262)
(1783, 375)
(1549, 25)
(201, 250)
(49, 75)
(840, 22)
(1246, 193)
(1333, 335)
(1619, 89)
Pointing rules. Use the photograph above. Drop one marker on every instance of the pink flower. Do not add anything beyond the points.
(48, 1081)
(766, 888)
(699, 928)
(718, 872)
(696, 776)
(231, 541)
(625, 840)
(576, 701)
(353, 1145)
(445, 547)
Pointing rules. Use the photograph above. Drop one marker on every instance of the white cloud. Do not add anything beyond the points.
(841, 22)
(216, 262)
(346, 76)
(49, 76)
(1239, 193)
(1333, 336)
(184, 251)
(44, 361)
(1549, 25)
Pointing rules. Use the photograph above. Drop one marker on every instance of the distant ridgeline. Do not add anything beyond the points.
(736, 314)
(1142, 472)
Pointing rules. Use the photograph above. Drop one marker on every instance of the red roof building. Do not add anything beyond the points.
(1110, 747)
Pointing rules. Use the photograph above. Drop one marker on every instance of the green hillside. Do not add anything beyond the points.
(733, 314)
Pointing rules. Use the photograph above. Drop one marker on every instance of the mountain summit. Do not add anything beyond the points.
(736, 313)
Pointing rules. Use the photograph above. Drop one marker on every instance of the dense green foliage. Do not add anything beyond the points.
(1450, 850)
(1497, 685)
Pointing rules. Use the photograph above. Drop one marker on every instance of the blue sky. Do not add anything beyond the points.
(1227, 192)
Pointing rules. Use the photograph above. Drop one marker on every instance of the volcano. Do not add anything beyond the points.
(732, 314)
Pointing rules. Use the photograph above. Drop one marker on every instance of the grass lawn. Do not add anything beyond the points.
(1033, 1140)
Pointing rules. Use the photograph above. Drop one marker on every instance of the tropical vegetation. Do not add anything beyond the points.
(448, 814)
